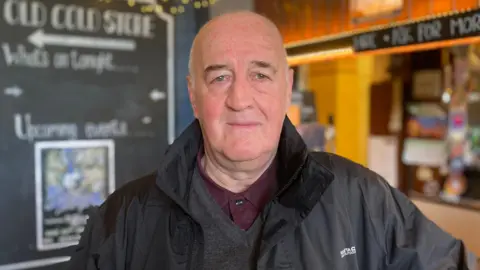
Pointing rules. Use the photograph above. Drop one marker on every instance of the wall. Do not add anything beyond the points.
(353, 107)
(186, 27)
(322, 81)
(224, 6)
(342, 88)
(382, 64)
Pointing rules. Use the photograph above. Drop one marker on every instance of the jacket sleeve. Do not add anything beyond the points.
(409, 239)
(83, 256)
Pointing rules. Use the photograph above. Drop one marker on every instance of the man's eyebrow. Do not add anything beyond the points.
(263, 64)
(214, 68)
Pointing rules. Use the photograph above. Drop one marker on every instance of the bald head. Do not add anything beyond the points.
(240, 89)
(237, 23)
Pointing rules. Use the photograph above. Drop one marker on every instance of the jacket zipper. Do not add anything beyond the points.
(190, 253)
(290, 181)
(194, 259)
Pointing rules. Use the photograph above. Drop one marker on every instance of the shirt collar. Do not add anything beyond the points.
(259, 193)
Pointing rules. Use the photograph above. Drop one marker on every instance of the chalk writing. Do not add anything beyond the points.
(113, 128)
(26, 130)
(20, 56)
(77, 18)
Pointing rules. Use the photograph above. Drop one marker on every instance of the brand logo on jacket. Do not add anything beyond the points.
(348, 251)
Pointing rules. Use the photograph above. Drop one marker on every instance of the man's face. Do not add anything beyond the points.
(241, 88)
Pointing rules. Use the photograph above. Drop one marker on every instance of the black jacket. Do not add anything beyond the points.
(329, 213)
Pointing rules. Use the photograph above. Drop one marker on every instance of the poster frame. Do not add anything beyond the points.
(41, 146)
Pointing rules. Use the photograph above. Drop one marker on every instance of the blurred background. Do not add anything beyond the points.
(92, 92)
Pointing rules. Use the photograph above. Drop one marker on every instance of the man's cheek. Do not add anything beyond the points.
(212, 109)
(273, 109)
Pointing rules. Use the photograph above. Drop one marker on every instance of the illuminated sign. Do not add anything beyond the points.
(456, 26)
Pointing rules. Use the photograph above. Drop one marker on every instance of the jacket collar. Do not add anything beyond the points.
(175, 172)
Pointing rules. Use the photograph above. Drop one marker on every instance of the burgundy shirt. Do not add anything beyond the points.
(242, 208)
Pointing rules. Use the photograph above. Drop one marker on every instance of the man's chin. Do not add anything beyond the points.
(246, 155)
(242, 155)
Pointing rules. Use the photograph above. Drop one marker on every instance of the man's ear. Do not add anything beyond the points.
(191, 94)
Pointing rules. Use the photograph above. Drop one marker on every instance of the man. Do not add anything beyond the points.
(238, 189)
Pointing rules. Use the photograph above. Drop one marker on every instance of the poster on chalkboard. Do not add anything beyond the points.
(71, 177)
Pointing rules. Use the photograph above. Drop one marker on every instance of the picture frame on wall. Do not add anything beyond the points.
(427, 84)
(70, 177)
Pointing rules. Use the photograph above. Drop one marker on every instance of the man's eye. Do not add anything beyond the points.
(260, 76)
(220, 78)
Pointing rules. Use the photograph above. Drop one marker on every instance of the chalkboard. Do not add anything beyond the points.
(86, 104)
(454, 26)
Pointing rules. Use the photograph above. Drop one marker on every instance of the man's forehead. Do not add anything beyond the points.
(243, 37)
(236, 42)
(256, 33)
(242, 43)
(231, 52)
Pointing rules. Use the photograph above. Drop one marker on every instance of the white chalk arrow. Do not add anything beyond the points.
(39, 38)
(13, 91)
(157, 95)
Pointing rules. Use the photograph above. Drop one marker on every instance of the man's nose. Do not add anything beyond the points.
(239, 95)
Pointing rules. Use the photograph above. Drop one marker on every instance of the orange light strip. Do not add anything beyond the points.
(323, 55)
(326, 55)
